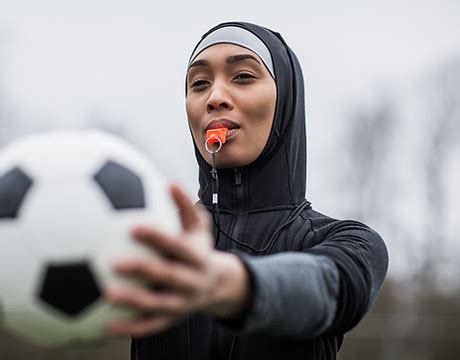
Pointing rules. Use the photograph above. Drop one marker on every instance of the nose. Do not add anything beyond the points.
(219, 98)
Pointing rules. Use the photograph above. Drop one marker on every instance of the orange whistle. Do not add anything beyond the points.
(214, 134)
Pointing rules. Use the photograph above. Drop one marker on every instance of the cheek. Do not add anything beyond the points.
(260, 107)
(192, 116)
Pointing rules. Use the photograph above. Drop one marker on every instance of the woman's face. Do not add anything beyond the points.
(229, 86)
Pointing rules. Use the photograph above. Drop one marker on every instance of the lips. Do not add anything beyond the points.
(232, 132)
(232, 126)
(221, 123)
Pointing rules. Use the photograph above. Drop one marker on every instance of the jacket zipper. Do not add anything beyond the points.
(239, 205)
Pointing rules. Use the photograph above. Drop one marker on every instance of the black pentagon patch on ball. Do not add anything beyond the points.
(14, 185)
(122, 187)
(69, 288)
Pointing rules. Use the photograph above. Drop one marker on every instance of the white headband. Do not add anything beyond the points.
(237, 36)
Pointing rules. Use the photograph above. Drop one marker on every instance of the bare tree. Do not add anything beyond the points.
(416, 319)
(443, 97)
(368, 138)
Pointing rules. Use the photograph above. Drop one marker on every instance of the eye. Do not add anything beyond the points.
(244, 77)
(198, 85)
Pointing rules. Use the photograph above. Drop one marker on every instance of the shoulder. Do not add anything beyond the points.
(327, 228)
(355, 247)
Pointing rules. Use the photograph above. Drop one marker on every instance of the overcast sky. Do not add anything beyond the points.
(125, 60)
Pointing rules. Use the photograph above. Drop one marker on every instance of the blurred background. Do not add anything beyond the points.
(383, 107)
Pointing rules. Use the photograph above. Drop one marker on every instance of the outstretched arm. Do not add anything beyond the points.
(326, 289)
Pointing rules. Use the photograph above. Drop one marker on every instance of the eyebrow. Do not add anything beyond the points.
(230, 60)
(235, 58)
(199, 63)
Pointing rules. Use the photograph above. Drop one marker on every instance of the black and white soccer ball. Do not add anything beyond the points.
(68, 201)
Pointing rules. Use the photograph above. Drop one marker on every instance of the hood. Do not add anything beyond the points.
(278, 176)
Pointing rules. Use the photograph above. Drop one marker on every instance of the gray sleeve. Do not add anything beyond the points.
(294, 294)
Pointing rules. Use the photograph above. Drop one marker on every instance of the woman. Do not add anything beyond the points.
(274, 279)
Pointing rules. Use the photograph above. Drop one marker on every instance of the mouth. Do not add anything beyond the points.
(232, 126)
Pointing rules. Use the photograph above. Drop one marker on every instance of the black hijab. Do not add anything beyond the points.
(278, 176)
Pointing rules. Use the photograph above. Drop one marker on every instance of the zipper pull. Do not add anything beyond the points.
(237, 178)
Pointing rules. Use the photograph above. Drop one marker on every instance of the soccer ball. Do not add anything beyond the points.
(68, 201)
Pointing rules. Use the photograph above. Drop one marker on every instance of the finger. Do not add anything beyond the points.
(136, 328)
(167, 245)
(147, 301)
(187, 210)
(172, 274)
(205, 219)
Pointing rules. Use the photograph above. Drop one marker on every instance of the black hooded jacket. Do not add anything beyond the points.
(313, 277)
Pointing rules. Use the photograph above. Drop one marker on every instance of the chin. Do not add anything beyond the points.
(227, 165)
(231, 163)
(224, 163)
(227, 157)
